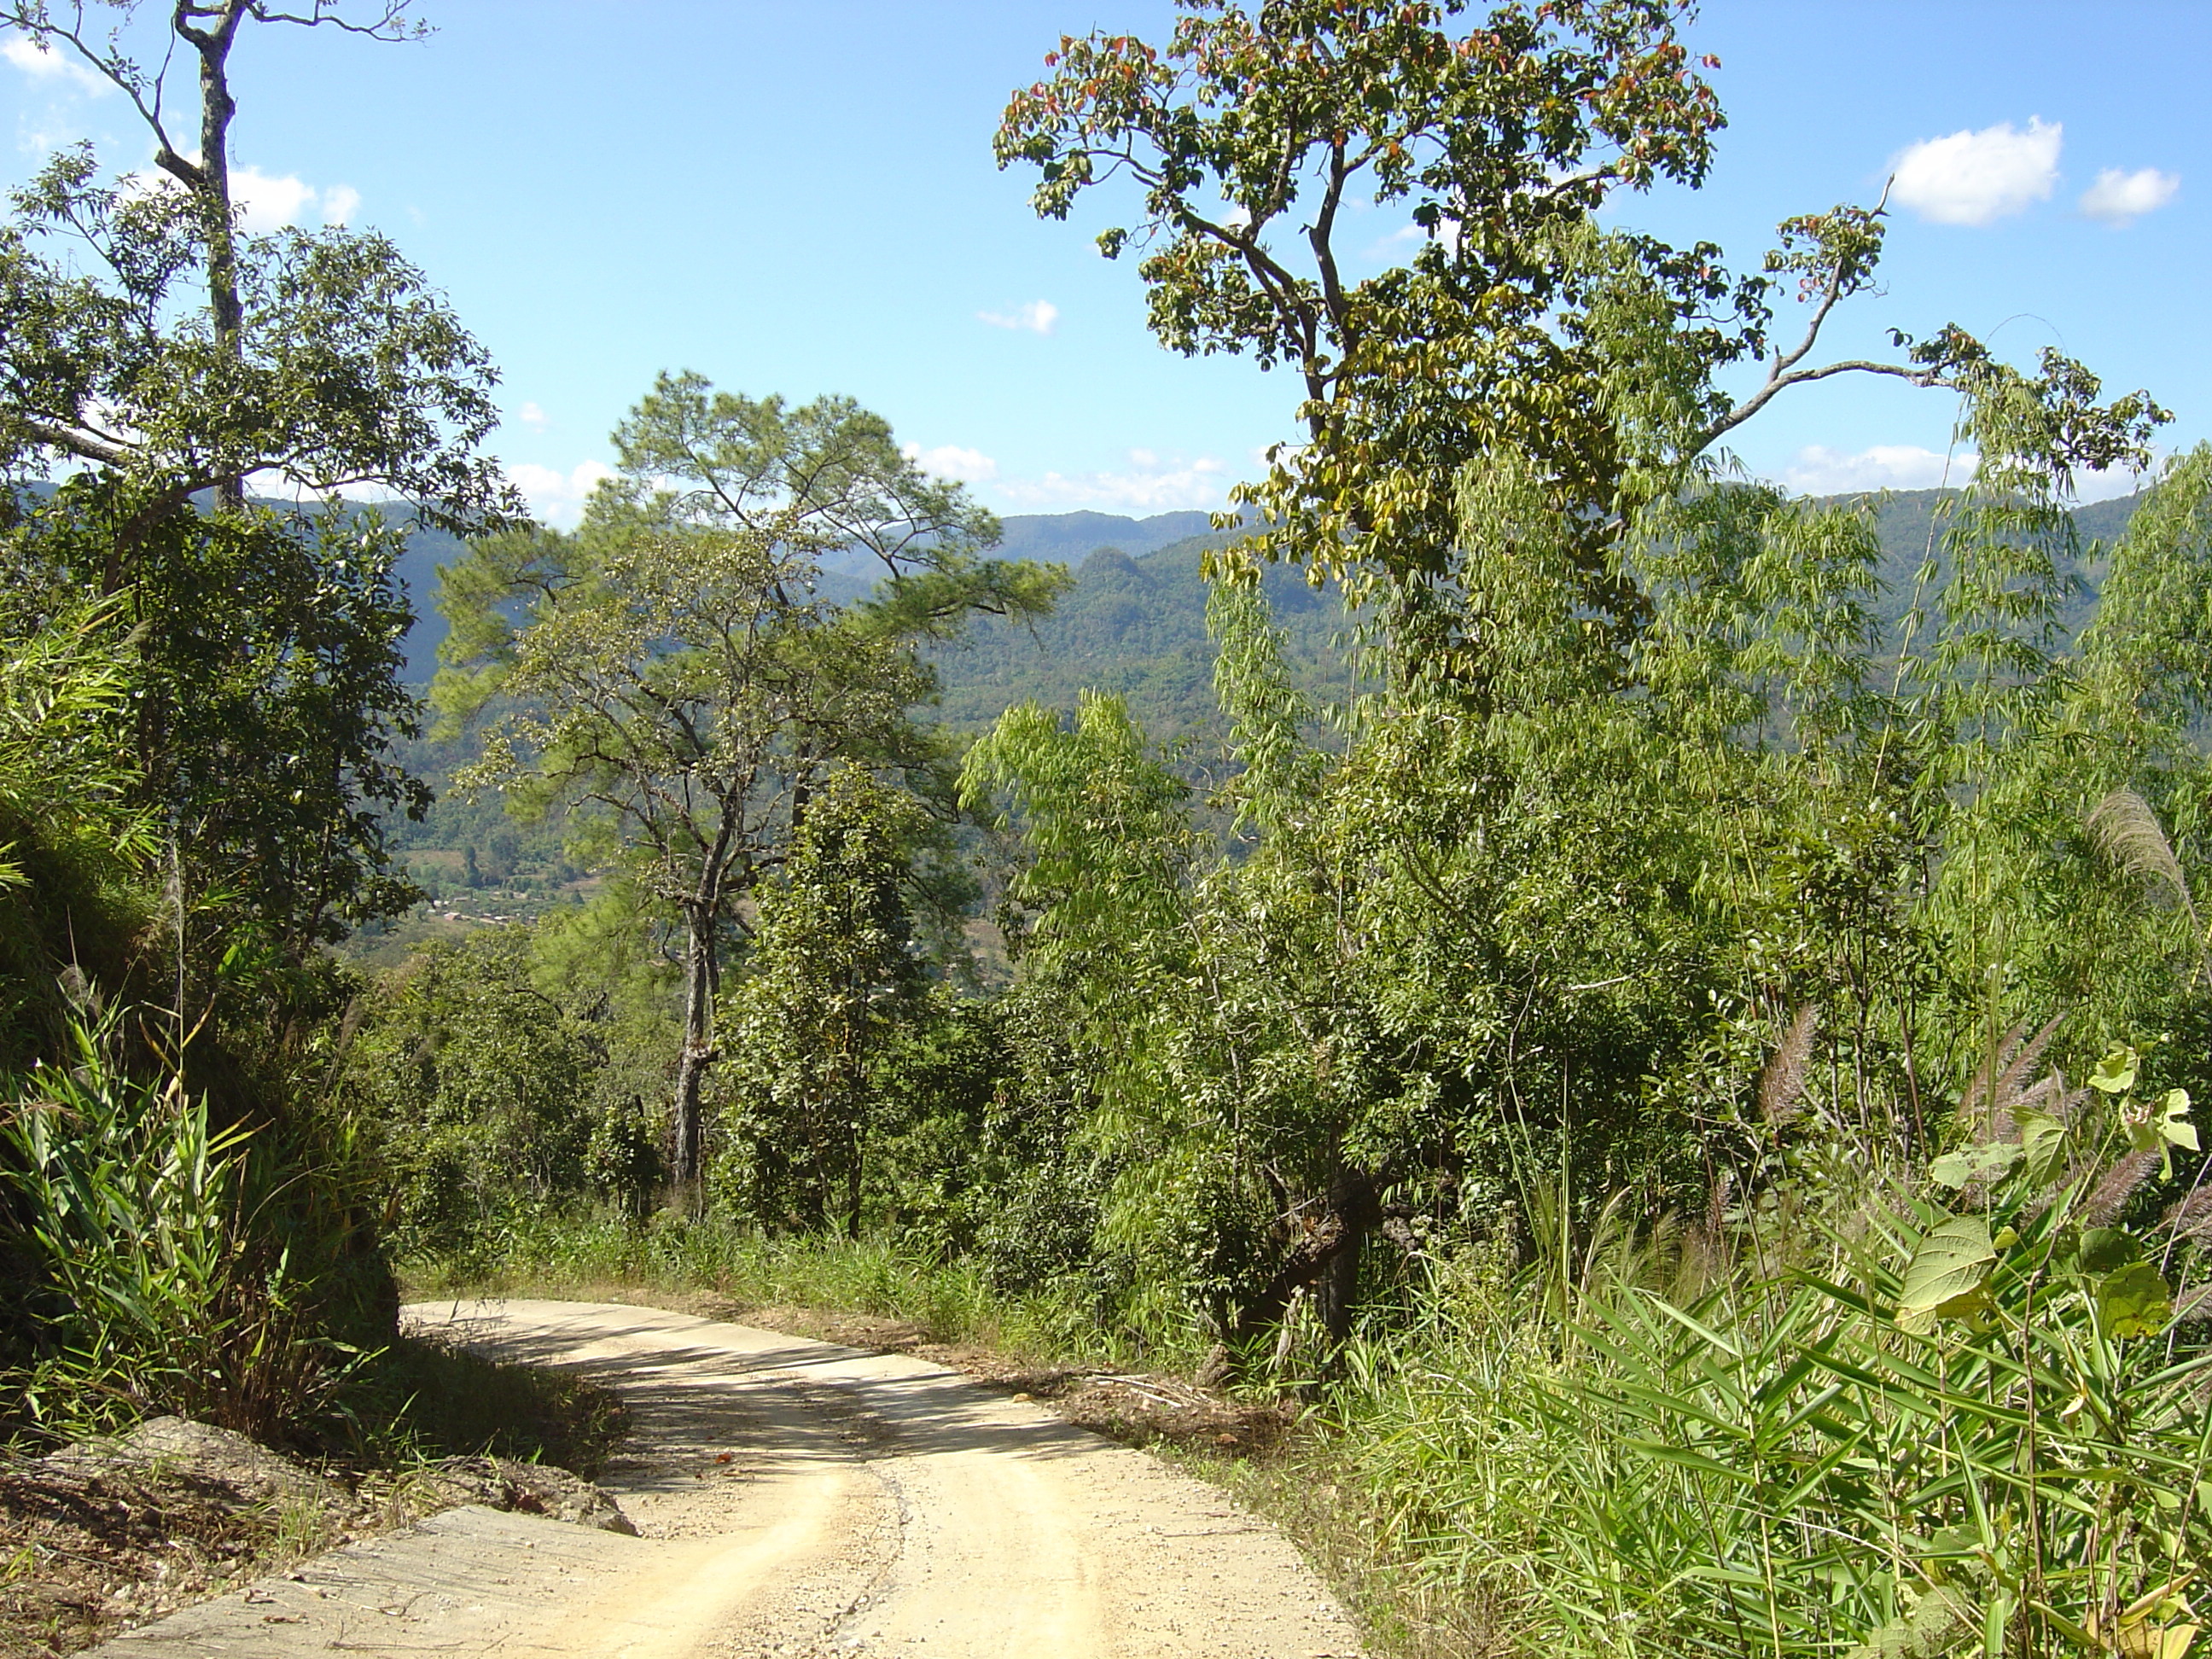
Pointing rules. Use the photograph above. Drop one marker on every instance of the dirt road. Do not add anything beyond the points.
(797, 1498)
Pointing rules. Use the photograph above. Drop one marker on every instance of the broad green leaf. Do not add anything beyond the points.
(2105, 1250)
(1948, 1275)
(2174, 1119)
(1930, 1629)
(1968, 1164)
(2043, 1142)
(2134, 1300)
(2116, 1071)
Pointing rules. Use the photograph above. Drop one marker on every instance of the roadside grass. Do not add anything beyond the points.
(421, 1400)
(714, 1266)
(1312, 1491)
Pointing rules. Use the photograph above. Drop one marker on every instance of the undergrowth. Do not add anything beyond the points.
(419, 1400)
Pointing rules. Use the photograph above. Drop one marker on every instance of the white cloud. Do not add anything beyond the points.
(1152, 484)
(951, 461)
(265, 204)
(1406, 240)
(531, 416)
(1821, 470)
(1038, 317)
(1818, 469)
(2102, 486)
(2120, 198)
(41, 141)
(1978, 178)
(44, 64)
(555, 497)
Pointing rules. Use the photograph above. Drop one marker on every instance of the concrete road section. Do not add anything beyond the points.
(799, 1500)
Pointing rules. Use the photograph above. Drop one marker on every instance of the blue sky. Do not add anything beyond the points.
(800, 198)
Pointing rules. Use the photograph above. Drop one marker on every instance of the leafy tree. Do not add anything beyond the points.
(493, 1080)
(322, 358)
(669, 668)
(169, 360)
(1489, 950)
(1644, 775)
(266, 700)
(832, 977)
(74, 846)
(1517, 326)
(231, 701)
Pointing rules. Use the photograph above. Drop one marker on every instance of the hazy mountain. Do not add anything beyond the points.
(1052, 538)
(1068, 538)
(1134, 625)
(1135, 621)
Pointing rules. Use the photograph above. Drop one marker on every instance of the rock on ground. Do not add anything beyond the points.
(111, 1534)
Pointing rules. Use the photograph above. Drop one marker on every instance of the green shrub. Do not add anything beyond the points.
(166, 1261)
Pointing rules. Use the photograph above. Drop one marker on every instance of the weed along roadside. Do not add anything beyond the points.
(1577, 983)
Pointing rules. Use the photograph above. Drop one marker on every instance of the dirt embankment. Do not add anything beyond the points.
(106, 1535)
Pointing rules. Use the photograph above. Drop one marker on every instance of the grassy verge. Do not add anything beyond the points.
(419, 1401)
(1312, 1491)
(709, 1266)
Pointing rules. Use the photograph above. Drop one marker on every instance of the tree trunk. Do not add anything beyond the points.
(216, 109)
(1336, 1290)
(853, 1171)
(856, 1112)
(687, 1154)
(1325, 1255)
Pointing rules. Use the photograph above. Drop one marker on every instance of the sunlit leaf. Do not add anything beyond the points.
(2116, 1071)
(2134, 1300)
(2173, 1123)
(1947, 1276)
(2042, 1144)
(1971, 1163)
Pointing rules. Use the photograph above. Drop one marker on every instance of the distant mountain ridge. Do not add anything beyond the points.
(1170, 588)
(1050, 537)
(1069, 538)
(1135, 621)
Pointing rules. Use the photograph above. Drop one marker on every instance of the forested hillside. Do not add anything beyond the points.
(1653, 1024)
(1057, 537)
(1148, 640)
(1133, 625)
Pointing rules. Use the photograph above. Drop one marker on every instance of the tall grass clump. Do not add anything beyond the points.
(1953, 1410)
(158, 1261)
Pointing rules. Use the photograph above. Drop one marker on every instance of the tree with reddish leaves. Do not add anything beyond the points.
(1269, 148)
